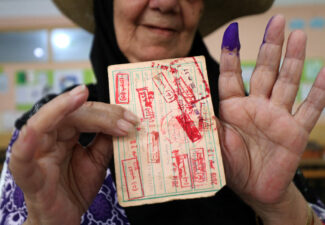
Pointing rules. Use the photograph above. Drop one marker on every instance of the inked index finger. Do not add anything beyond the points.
(230, 79)
(49, 116)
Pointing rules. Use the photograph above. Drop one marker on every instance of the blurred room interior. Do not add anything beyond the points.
(42, 52)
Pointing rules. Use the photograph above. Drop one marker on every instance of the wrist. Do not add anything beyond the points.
(32, 218)
(291, 209)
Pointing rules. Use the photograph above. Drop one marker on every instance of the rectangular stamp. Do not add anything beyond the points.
(203, 81)
(214, 178)
(122, 93)
(146, 98)
(185, 90)
(164, 87)
(132, 178)
(213, 167)
(153, 147)
(181, 165)
(205, 122)
(189, 127)
(198, 164)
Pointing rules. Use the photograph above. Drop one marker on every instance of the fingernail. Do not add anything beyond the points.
(124, 125)
(78, 90)
(230, 39)
(266, 29)
(131, 117)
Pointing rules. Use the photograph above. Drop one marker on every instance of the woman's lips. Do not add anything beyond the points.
(161, 30)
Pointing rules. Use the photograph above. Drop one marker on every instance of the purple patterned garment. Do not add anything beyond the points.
(105, 209)
(319, 209)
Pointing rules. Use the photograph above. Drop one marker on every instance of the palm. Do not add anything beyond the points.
(71, 179)
(59, 188)
(261, 140)
(259, 136)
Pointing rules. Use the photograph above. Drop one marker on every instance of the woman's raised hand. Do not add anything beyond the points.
(58, 176)
(262, 140)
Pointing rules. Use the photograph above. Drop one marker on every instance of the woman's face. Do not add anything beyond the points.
(156, 29)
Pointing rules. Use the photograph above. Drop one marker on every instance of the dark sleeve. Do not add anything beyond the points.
(308, 192)
(224, 208)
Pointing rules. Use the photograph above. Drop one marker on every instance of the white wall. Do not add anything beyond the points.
(295, 2)
(27, 8)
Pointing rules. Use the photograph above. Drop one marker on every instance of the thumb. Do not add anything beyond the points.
(93, 161)
(23, 167)
(102, 149)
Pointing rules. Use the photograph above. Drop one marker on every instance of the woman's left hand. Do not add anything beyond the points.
(262, 140)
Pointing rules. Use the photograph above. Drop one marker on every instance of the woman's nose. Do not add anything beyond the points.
(165, 6)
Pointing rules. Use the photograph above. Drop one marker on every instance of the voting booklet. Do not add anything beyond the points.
(174, 152)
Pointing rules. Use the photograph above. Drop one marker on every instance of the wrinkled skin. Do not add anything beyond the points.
(58, 176)
(156, 29)
(261, 139)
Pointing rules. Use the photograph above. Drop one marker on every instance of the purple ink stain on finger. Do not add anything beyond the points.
(230, 39)
(266, 30)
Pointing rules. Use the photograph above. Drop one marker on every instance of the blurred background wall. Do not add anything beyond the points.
(42, 52)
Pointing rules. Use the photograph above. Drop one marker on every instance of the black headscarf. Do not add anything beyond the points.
(105, 52)
(219, 209)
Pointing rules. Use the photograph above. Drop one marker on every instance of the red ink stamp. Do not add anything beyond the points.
(212, 164)
(175, 182)
(133, 144)
(164, 67)
(172, 131)
(205, 123)
(132, 178)
(200, 89)
(214, 179)
(153, 147)
(198, 164)
(189, 127)
(213, 167)
(185, 90)
(207, 89)
(164, 87)
(181, 165)
(122, 92)
(146, 99)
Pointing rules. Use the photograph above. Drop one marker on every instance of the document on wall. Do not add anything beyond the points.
(174, 152)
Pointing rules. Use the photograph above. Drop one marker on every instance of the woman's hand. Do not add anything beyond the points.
(58, 176)
(262, 140)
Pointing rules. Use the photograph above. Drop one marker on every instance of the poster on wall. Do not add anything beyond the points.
(64, 79)
(31, 86)
(89, 76)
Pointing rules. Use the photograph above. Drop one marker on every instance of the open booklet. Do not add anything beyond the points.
(174, 153)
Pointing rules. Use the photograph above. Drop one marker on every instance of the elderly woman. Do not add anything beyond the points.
(62, 182)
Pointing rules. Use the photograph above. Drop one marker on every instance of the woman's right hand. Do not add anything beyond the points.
(58, 176)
